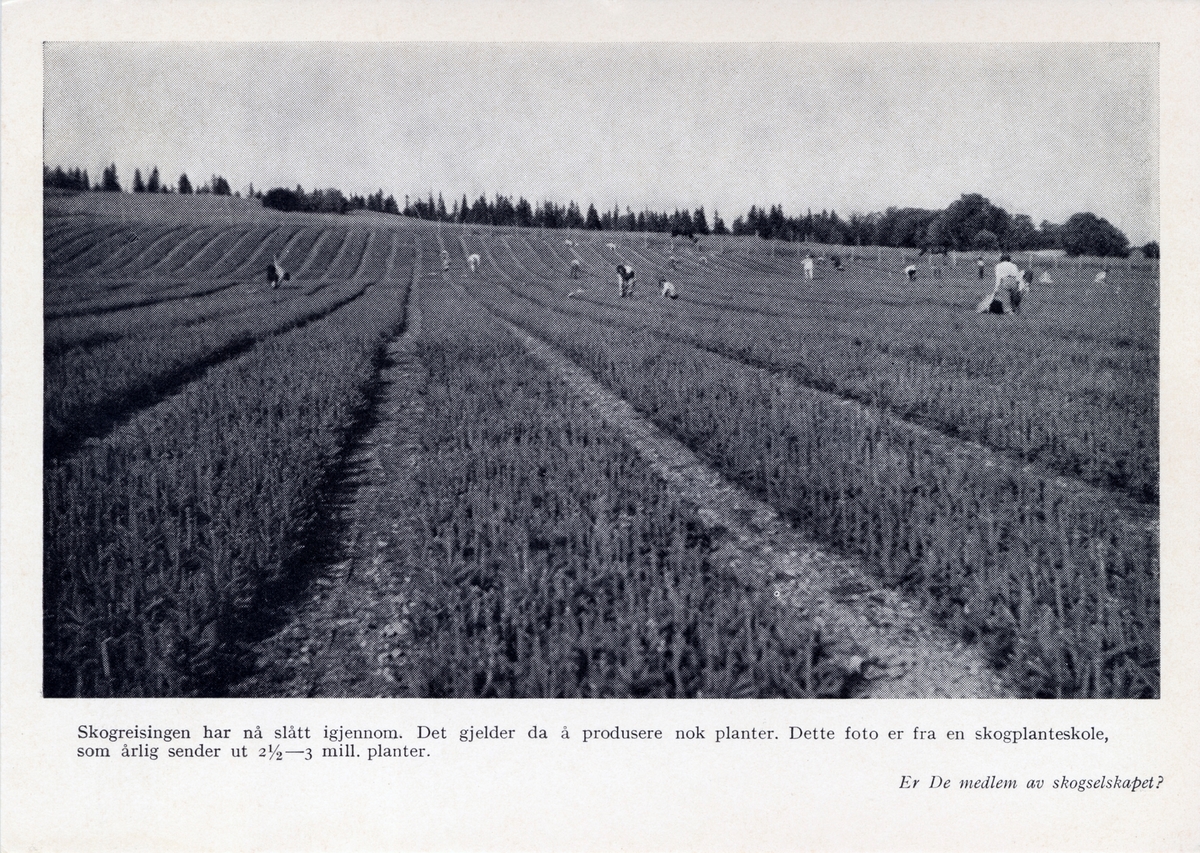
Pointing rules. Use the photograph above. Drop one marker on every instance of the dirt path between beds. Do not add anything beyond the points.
(887, 644)
(340, 640)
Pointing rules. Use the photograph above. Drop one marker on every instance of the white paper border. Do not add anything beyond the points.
(524, 795)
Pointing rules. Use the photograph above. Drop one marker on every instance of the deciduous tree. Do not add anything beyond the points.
(985, 240)
(971, 214)
(1088, 234)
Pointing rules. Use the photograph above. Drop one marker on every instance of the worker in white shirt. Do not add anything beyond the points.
(1009, 277)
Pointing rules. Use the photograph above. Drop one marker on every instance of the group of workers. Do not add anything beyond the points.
(627, 280)
(810, 263)
(626, 276)
(1012, 283)
(1011, 287)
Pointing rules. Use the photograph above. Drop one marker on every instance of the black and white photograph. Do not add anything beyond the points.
(403, 403)
(601, 370)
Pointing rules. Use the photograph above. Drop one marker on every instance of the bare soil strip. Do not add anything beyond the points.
(250, 266)
(232, 252)
(133, 264)
(888, 643)
(558, 272)
(197, 240)
(313, 251)
(218, 235)
(136, 241)
(340, 640)
(553, 251)
(366, 253)
(79, 244)
(521, 266)
(94, 253)
(394, 243)
(340, 265)
(339, 256)
(551, 274)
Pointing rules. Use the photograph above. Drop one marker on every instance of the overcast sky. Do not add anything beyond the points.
(1046, 130)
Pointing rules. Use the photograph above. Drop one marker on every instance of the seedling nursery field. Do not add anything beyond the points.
(389, 478)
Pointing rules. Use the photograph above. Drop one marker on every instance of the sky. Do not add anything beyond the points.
(1046, 130)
